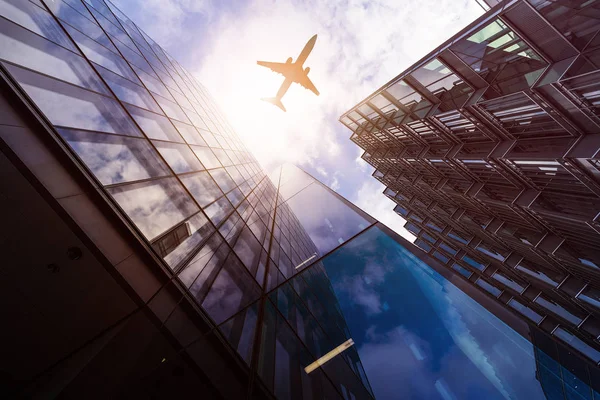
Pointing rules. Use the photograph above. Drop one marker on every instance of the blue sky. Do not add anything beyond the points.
(361, 46)
(420, 337)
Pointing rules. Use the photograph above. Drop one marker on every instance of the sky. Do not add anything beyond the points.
(420, 337)
(361, 45)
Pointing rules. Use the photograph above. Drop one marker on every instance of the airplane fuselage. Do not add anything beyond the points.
(306, 51)
(298, 70)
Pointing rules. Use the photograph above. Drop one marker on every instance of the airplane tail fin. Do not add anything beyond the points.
(274, 101)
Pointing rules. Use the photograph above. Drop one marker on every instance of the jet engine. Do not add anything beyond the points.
(289, 60)
(306, 70)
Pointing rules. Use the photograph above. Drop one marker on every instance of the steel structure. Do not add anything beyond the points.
(490, 148)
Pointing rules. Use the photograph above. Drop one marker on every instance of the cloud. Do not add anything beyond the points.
(322, 171)
(335, 182)
(363, 289)
(361, 45)
(371, 199)
(166, 21)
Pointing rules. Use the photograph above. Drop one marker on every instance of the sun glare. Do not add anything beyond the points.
(268, 131)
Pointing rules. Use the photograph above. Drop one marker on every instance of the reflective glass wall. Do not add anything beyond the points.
(284, 269)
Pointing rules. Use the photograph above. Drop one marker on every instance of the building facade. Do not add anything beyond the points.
(147, 255)
(489, 146)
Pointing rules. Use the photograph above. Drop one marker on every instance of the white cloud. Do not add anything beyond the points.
(322, 171)
(335, 183)
(371, 199)
(361, 45)
(164, 20)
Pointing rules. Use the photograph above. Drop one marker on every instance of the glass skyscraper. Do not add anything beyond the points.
(147, 255)
(489, 147)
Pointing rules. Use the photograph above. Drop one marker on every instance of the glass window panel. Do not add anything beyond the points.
(206, 156)
(102, 11)
(232, 289)
(526, 311)
(490, 252)
(259, 229)
(60, 8)
(231, 227)
(133, 57)
(218, 210)
(22, 47)
(400, 90)
(239, 331)
(128, 91)
(235, 174)
(115, 159)
(461, 270)
(423, 245)
(197, 121)
(222, 156)
(171, 109)
(154, 206)
(447, 248)
(213, 253)
(235, 196)
(151, 83)
(178, 156)
(70, 106)
(325, 217)
(508, 282)
(458, 238)
(248, 249)
(223, 179)
(183, 101)
(120, 38)
(431, 72)
(81, 20)
(591, 296)
(101, 55)
(538, 275)
(488, 287)
(440, 257)
(222, 142)
(558, 310)
(35, 19)
(499, 56)
(166, 78)
(209, 138)
(189, 133)
(473, 263)
(155, 126)
(202, 187)
(578, 344)
(197, 228)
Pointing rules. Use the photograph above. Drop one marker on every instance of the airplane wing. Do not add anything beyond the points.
(305, 81)
(281, 68)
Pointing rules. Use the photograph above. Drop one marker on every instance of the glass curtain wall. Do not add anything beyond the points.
(416, 334)
(284, 268)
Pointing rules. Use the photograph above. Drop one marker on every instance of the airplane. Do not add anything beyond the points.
(293, 72)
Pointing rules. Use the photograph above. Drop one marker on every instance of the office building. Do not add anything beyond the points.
(147, 255)
(489, 145)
